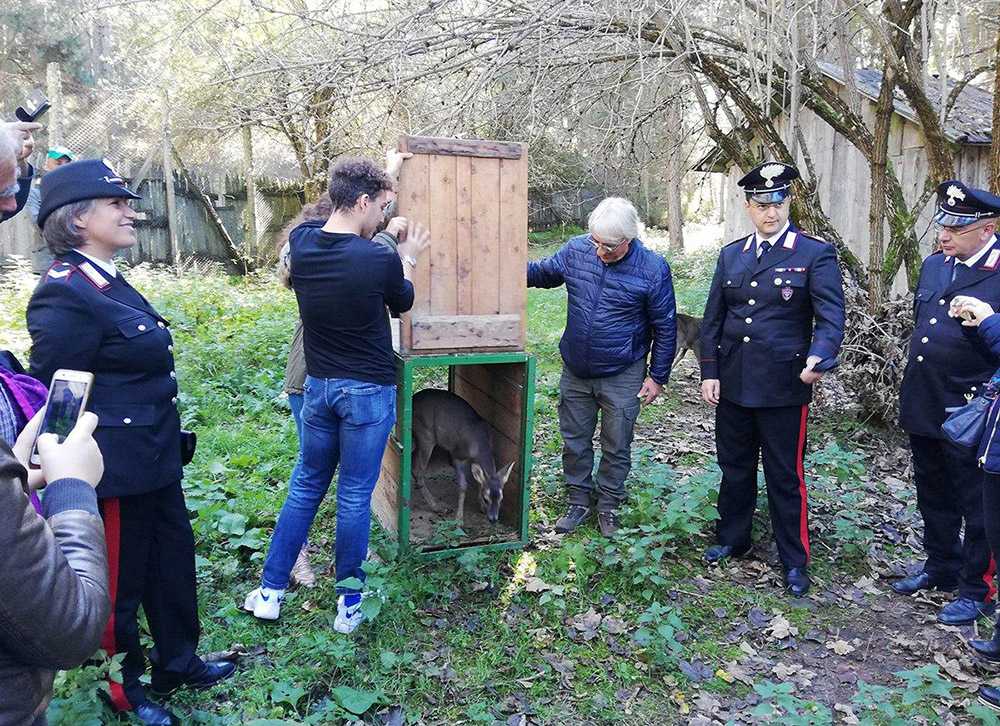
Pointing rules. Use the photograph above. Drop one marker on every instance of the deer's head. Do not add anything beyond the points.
(491, 489)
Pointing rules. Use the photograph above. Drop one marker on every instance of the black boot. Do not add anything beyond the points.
(797, 581)
(576, 515)
(921, 581)
(153, 714)
(719, 552)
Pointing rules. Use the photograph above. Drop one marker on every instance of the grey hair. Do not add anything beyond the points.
(614, 219)
(60, 231)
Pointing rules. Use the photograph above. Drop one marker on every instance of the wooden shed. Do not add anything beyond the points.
(844, 176)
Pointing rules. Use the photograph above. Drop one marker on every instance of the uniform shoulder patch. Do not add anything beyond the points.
(738, 241)
(810, 235)
(93, 276)
(60, 271)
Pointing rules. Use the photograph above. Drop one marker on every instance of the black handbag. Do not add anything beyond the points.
(965, 425)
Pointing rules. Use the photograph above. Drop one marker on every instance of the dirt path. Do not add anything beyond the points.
(851, 627)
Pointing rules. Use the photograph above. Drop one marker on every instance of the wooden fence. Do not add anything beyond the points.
(197, 233)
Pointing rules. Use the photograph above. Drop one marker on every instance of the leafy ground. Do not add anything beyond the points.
(575, 630)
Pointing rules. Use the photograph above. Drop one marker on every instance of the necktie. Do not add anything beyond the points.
(960, 272)
(763, 248)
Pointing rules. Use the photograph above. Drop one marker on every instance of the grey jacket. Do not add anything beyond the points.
(54, 599)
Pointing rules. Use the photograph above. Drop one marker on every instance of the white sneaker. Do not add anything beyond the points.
(264, 603)
(348, 618)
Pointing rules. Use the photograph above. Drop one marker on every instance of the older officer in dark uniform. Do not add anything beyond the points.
(948, 364)
(84, 315)
(773, 324)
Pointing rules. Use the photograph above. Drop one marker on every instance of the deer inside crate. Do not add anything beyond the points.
(443, 419)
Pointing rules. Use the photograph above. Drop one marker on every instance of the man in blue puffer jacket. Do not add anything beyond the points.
(620, 304)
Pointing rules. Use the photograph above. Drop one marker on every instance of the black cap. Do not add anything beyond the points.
(769, 182)
(959, 205)
(77, 181)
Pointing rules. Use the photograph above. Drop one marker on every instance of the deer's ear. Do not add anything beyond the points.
(506, 472)
(478, 474)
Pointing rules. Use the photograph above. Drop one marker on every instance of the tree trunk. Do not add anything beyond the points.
(879, 172)
(995, 147)
(674, 177)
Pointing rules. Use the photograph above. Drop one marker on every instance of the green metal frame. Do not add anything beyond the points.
(405, 367)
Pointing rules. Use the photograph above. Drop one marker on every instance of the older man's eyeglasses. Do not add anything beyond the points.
(606, 246)
(957, 231)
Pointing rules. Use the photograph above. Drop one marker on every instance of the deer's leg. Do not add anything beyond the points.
(421, 457)
(463, 484)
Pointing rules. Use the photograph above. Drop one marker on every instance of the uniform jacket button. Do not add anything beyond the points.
(920, 359)
(160, 324)
(141, 327)
(751, 301)
(941, 301)
(933, 321)
(924, 339)
(746, 338)
(170, 348)
(174, 400)
(753, 283)
(749, 320)
(173, 374)
(126, 420)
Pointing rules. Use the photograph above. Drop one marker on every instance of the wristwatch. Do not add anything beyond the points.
(410, 260)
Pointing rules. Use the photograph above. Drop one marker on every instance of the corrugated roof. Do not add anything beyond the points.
(970, 120)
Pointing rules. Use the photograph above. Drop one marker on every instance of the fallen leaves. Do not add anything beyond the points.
(840, 647)
(780, 628)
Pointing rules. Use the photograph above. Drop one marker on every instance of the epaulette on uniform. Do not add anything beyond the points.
(810, 235)
(60, 271)
(738, 240)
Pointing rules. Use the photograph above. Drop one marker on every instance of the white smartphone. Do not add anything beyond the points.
(68, 396)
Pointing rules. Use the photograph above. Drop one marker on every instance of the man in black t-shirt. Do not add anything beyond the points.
(343, 282)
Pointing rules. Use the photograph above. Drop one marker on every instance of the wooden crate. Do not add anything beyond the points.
(501, 388)
(471, 285)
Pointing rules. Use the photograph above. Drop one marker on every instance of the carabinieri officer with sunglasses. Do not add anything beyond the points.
(948, 365)
(773, 324)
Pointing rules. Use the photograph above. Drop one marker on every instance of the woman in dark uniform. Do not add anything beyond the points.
(85, 316)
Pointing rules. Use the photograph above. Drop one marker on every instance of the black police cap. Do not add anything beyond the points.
(769, 182)
(78, 181)
(959, 205)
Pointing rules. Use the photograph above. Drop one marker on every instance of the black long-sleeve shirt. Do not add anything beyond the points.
(343, 284)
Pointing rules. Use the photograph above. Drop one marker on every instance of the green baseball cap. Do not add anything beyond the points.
(59, 152)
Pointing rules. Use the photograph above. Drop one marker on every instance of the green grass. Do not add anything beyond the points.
(458, 640)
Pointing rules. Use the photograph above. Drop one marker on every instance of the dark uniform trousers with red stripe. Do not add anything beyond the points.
(949, 487)
(151, 562)
(778, 435)
(764, 317)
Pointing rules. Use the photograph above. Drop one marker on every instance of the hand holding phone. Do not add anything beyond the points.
(78, 457)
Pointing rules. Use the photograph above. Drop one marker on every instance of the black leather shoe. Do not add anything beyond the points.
(153, 714)
(987, 649)
(964, 611)
(921, 581)
(575, 516)
(214, 672)
(990, 697)
(719, 552)
(797, 580)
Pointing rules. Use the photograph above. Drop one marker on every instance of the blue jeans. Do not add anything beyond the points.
(296, 400)
(344, 422)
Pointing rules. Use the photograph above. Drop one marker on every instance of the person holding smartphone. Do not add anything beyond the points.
(85, 316)
(54, 570)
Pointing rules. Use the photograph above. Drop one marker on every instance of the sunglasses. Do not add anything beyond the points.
(606, 246)
(957, 231)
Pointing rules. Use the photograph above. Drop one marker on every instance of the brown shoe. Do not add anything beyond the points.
(608, 522)
(302, 574)
(575, 516)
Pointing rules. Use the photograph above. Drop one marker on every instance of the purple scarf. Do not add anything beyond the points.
(29, 395)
